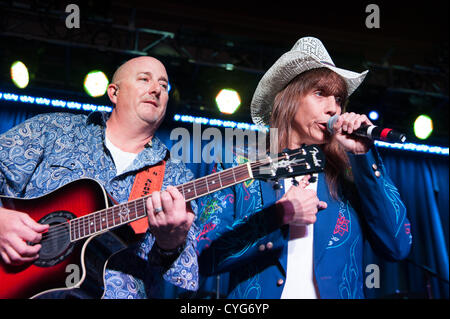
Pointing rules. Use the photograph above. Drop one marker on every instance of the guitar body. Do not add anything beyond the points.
(61, 264)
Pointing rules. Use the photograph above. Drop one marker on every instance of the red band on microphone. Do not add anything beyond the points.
(384, 134)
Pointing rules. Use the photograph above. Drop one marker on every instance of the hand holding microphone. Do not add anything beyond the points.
(371, 131)
(356, 133)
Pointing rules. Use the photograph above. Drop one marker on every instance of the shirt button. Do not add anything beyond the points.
(269, 245)
(375, 167)
(377, 173)
(261, 247)
(280, 282)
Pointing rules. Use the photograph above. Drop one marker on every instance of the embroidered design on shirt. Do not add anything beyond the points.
(341, 225)
(342, 229)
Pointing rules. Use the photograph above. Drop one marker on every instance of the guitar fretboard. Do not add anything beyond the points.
(119, 215)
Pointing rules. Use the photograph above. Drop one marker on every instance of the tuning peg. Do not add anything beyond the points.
(303, 149)
(294, 181)
(285, 153)
(312, 179)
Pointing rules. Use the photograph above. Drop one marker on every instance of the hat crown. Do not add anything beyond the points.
(313, 47)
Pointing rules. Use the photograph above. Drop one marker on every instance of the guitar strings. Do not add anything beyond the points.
(63, 229)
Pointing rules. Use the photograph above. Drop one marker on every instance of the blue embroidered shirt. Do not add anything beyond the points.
(242, 236)
(51, 150)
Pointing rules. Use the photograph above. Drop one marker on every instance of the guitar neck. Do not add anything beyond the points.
(122, 214)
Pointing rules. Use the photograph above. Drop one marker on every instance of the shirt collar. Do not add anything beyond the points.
(98, 118)
(154, 152)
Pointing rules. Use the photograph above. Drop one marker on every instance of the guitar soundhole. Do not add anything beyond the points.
(56, 245)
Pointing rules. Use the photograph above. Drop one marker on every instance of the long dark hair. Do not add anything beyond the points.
(285, 108)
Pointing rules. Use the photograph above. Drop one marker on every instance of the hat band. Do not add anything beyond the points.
(327, 63)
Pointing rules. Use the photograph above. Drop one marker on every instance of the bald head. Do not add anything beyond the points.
(126, 68)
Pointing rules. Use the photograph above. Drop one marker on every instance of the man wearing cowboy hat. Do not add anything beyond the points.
(307, 238)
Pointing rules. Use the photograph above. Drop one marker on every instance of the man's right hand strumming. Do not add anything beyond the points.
(17, 230)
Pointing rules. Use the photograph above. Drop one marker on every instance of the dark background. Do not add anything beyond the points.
(407, 56)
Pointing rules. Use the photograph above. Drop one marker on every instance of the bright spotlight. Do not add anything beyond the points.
(19, 74)
(373, 115)
(228, 101)
(423, 127)
(96, 83)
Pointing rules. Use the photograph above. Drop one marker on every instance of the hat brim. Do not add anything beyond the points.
(287, 67)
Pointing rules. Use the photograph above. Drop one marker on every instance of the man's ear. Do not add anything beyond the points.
(112, 92)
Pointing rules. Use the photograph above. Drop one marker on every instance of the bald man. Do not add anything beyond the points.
(112, 149)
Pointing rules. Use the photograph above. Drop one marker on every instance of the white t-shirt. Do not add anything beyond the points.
(121, 159)
(300, 273)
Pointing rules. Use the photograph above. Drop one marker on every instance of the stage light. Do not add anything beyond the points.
(96, 83)
(219, 123)
(423, 127)
(373, 115)
(48, 102)
(228, 101)
(19, 74)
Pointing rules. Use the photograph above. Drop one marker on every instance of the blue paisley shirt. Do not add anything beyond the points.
(51, 150)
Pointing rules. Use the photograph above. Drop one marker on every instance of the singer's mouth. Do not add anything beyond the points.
(322, 126)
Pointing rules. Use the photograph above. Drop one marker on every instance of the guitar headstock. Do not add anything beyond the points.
(307, 159)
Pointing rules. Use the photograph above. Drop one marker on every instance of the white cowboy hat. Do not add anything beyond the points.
(308, 53)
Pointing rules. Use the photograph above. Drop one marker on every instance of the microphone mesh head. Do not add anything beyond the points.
(331, 122)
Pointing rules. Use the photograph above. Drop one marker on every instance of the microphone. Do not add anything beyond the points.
(371, 131)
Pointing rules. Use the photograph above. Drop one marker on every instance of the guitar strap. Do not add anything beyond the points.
(146, 182)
